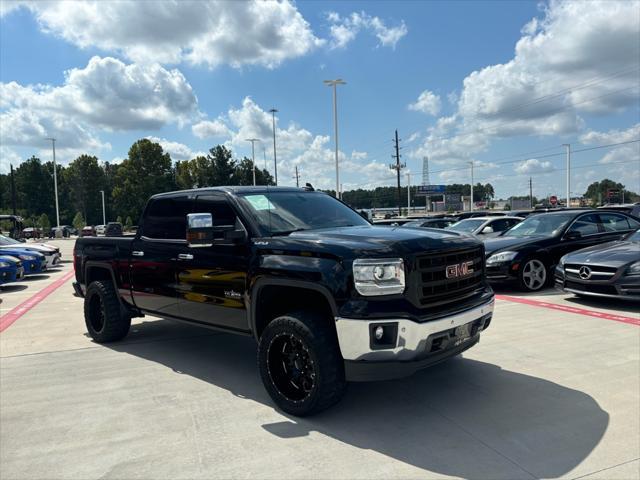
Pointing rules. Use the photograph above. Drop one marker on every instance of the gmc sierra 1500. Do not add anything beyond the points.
(328, 297)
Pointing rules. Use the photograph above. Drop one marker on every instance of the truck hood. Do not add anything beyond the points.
(612, 254)
(380, 240)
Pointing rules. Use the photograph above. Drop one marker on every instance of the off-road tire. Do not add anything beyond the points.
(105, 318)
(320, 343)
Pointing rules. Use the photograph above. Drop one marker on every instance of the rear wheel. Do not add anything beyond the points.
(533, 275)
(300, 363)
(104, 317)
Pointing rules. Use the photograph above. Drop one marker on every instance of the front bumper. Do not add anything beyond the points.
(415, 346)
(620, 286)
(502, 272)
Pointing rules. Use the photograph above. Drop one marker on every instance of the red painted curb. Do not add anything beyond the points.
(14, 314)
(569, 309)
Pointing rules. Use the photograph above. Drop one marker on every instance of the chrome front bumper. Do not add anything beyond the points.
(355, 342)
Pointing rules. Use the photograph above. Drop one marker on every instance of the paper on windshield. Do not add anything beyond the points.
(260, 202)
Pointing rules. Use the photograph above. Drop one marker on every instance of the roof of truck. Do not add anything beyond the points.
(234, 190)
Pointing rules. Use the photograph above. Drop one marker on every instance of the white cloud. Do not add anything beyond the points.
(343, 30)
(8, 157)
(177, 151)
(622, 153)
(428, 102)
(210, 129)
(565, 67)
(533, 165)
(208, 33)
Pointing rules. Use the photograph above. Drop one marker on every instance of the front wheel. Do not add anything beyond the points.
(533, 275)
(300, 363)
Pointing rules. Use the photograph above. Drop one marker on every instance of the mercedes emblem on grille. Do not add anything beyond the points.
(584, 273)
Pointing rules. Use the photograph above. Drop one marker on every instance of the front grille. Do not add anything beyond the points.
(594, 268)
(433, 285)
(591, 288)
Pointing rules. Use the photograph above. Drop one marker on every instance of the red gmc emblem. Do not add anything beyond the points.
(458, 270)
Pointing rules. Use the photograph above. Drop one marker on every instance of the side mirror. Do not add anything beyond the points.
(487, 229)
(202, 233)
(572, 235)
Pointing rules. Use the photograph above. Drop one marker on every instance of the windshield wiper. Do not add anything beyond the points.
(287, 232)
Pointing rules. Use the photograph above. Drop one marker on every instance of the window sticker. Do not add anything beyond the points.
(260, 202)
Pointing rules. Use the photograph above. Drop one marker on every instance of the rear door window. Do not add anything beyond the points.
(613, 222)
(586, 225)
(166, 218)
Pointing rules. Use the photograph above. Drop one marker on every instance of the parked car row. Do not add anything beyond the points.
(18, 259)
(111, 229)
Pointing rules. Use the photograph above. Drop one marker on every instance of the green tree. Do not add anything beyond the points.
(78, 221)
(223, 166)
(86, 179)
(145, 172)
(119, 219)
(128, 223)
(243, 174)
(44, 223)
(597, 192)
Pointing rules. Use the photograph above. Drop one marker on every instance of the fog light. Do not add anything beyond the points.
(379, 333)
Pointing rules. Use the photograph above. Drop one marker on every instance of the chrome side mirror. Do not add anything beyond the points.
(199, 230)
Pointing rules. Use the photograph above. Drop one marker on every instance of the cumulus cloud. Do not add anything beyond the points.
(563, 69)
(533, 165)
(428, 102)
(177, 151)
(343, 30)
(210, 129)
(206, 33)
(629, 152)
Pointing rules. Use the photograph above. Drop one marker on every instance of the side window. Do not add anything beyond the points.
(499, 225)
(166, 218)
(221, 211)
(613, 222)
(586, 225)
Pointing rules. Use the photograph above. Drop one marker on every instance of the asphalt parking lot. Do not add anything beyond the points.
(552, 390)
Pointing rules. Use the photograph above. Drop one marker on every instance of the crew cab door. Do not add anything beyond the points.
(154, 252)
(212, 280)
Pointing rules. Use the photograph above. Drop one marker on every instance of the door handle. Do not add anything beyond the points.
(137, 253)
(185, 256)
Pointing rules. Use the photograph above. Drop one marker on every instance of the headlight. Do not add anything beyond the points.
(501, 257)
(383, 276)
(634, 269)
(26, 257)
(4, 265)
(562, 260)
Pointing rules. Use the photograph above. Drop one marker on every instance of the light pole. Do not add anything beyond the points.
(334, 83)
(253, 156)
(471, 198)
(104, 217)
(568, 147)
(408, 192)
(55, 179)
(275, 161)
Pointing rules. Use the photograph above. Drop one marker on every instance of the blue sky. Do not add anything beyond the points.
(502, 84)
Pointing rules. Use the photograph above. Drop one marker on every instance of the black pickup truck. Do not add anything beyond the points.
(328, 297)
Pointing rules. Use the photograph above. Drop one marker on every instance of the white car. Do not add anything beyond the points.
(100, 229)
(484, 227)
(51, 253)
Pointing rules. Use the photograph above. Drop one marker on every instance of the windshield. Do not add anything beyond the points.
(7, 241)
(633, 237)
(280, 213)
(541, 225)
(467, 226)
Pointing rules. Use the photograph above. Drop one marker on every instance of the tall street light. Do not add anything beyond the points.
(334, 83)
(275, 161)
(253, 156)
(104, 217)
(55, 179)
(568, 147)
(471, 198)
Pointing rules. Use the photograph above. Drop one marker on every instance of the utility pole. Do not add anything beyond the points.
(275, 162)
(55, 180)
(253, 156)
(297, 178)
(426, 181)
(334, 83)
(13, 192)
(568, 147)
(104, 217)
(408, 193)
(397, 167)
(471, 198)
(530, 193)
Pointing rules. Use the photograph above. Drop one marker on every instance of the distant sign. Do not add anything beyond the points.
(425, 190)
(613, 192)
(553, 200)
(453, 201)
